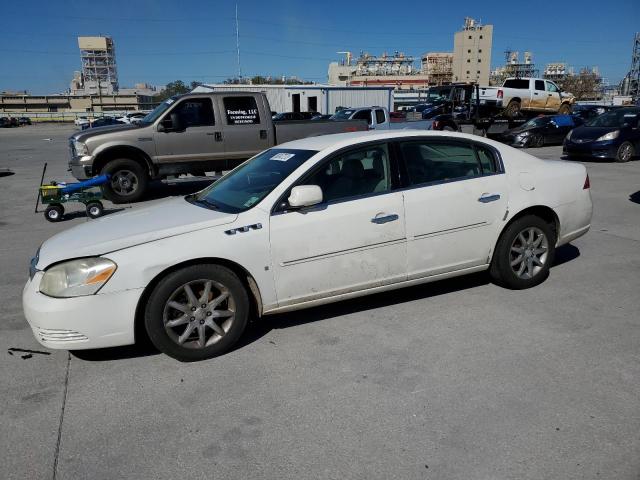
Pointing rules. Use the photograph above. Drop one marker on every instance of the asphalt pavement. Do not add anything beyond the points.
(458, 379)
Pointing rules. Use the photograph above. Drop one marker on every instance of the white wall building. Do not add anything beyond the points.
(312, 98)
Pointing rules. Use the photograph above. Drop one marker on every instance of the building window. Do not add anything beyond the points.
(479, 60)
(478, 71)
(470, 37)
(469, 51)
(468, 60)
(468, 72)
(479, 50)
(480, 37)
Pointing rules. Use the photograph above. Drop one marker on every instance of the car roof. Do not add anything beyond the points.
(340, 140)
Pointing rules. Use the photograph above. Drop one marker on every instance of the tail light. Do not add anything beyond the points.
(500, 94)
(436, 125)
(587, 183)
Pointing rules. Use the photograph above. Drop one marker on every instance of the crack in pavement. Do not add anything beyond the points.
(64, 403)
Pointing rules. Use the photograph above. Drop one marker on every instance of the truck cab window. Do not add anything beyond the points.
(540, 85)
(363, 115)
(195, 112)
(241, 110)
(379, 116)
(552, 88)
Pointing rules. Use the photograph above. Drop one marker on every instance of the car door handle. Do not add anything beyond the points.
(384, 218)
(489, 197)
(218, 136)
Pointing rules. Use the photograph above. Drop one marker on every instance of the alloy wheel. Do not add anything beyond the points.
(199, 313)
(528, 253)
(124, 182)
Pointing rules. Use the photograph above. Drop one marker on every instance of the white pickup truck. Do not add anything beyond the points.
(535, 95)
(378, 118)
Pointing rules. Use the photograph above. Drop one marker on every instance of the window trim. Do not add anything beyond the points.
(180, 101)
(406, 181)
(225, 116)
(394, 172)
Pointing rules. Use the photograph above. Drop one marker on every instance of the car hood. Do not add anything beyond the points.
(171, 217)
(590, 133)
(83, 135)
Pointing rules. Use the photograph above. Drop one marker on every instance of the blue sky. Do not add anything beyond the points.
(160, 41)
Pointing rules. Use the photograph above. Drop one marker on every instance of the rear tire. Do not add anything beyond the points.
(513, 109)
(128, 183)
(94, 209)
(54, 212)
(625, 152)
(524, 253)
(565, 109)
(190, 321)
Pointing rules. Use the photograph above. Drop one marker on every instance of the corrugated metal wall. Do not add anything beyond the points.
(280, 98)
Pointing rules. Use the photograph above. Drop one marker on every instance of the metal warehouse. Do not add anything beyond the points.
(312, 98)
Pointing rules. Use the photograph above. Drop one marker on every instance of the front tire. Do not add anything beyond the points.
(54, 212)
(128, 183)
(94, 209)
(537, 141)
(197, 312)
(524, 253)
(565, 109)
(625, 152)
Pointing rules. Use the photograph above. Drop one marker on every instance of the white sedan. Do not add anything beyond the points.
(308, 222)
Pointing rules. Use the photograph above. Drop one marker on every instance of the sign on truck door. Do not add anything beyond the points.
(247, 130)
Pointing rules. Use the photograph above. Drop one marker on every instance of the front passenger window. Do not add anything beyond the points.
(359, 172)
(195, 112)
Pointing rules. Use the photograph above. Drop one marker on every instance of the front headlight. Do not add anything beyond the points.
(80, 148)
(84, 276)
(523, 135)
(608, 136)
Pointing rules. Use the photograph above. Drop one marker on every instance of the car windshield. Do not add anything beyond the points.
(343, 114)
(614, 118)
(537, 122)
(252, 181)
(159, 110)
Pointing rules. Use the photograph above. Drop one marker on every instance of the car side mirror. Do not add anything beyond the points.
(305, 196)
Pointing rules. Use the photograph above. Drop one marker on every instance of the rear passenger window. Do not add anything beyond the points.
(379, 116)
(487, 160)
(241, 110)
(429, 161)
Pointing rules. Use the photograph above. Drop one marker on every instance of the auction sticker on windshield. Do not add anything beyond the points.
(283, 157)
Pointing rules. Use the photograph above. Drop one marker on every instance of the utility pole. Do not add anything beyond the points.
(238, 44)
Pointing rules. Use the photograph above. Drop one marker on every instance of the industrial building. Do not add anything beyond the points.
(99, 70)
(438, 67)
(75, 103)
(325, 99)
(472, 52)
(513, 67)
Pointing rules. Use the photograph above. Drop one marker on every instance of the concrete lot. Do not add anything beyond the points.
(454, 380)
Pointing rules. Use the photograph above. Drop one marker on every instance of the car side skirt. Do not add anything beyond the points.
(368, 291)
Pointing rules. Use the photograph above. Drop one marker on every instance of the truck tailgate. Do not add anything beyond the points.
(288, 131)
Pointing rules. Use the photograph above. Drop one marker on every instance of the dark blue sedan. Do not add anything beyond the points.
(102, 122)
(614, 134)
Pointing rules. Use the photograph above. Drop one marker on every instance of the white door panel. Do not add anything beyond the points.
(338, 247)
(453, 225)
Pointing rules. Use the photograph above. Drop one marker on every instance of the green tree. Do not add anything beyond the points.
(174, 88)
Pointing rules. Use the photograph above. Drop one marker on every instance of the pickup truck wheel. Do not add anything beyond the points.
(625, 152)
(565, 109)
(513, 109)
(197, 312)
(524, 253)
(128, 181)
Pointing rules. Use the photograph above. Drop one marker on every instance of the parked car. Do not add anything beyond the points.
(378, 118)
(587, 112)
(527, 94)
(614, 134)
(540, 131)
(102, 122)
(132, 117)
(321, 116)
(80, 121)
(14, 122)
(5, 122)
(291, 116)
(309, 222)
(193, 133)
(24, 121)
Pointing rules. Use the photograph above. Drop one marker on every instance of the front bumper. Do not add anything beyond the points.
(608, 149)
(92, 321)
(81, 167)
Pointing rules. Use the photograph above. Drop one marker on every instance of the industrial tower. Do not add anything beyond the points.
(631, 83)
(99, 71)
